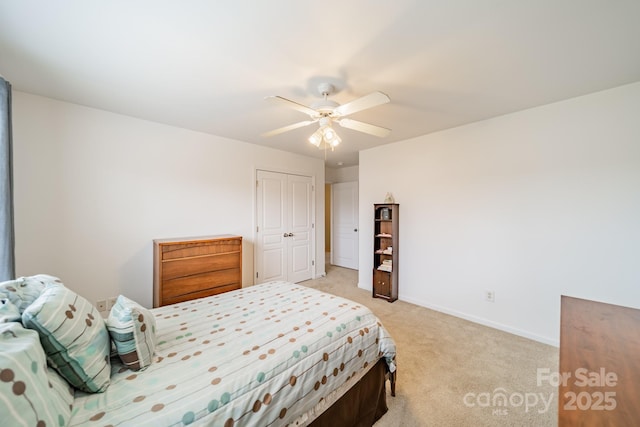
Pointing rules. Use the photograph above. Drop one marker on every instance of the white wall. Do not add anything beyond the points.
(530, 205)
(93, 189)
(347, 174)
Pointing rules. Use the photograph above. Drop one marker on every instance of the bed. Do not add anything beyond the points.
(273, 354)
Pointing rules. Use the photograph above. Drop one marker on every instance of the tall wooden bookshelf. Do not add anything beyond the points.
(385, 251)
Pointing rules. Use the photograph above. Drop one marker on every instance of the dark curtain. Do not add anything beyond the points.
(7, 244)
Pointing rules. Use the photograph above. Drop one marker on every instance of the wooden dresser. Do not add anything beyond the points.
(599, 348)
(195, 267)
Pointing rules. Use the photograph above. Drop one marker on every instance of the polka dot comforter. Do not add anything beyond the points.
(259, 356)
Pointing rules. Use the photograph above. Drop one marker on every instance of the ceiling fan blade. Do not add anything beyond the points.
(364, 127)
(367, 101)
(292, 104)
(288, 128)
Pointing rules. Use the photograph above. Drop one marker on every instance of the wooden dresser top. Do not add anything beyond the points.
(196, 238)
(600, 358)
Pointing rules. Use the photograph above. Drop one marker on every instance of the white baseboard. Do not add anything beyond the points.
(485, 322)
(476, 319)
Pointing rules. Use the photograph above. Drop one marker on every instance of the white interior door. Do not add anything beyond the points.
(285, 228)
(300, 228)
(344, 239)
(270, 248)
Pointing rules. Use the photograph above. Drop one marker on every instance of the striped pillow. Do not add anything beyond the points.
(30, 393)
(74, 337)
(133, 330)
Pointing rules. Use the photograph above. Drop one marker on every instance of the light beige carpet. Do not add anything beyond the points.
(452, 372)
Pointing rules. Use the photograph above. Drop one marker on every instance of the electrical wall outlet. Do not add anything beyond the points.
(111, 302)
(490, 296)
(101, 305)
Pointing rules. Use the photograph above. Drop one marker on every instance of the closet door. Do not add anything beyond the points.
(272, 230)
(284, 235)
(299, 256)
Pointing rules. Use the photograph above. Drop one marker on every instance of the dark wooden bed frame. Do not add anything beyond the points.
(364, 403)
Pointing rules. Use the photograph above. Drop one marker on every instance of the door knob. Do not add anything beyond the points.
(355, 229)
(285, 235)
(290, 235)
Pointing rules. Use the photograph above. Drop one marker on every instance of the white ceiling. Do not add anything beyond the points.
(207, 65)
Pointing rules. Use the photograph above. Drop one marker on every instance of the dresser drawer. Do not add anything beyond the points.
(184, 267)
(201, 294)
(194, 283)
(194, 249)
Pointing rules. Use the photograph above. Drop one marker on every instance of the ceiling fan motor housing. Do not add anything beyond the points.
(325, 107)
(326, 89)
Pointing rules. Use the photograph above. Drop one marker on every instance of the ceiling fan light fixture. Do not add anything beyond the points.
(335, 142)
(329, 134)
(316, 138)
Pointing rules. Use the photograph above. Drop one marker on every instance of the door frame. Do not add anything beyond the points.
(314, 264)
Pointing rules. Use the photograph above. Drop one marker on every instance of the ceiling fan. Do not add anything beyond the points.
(327, 112)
